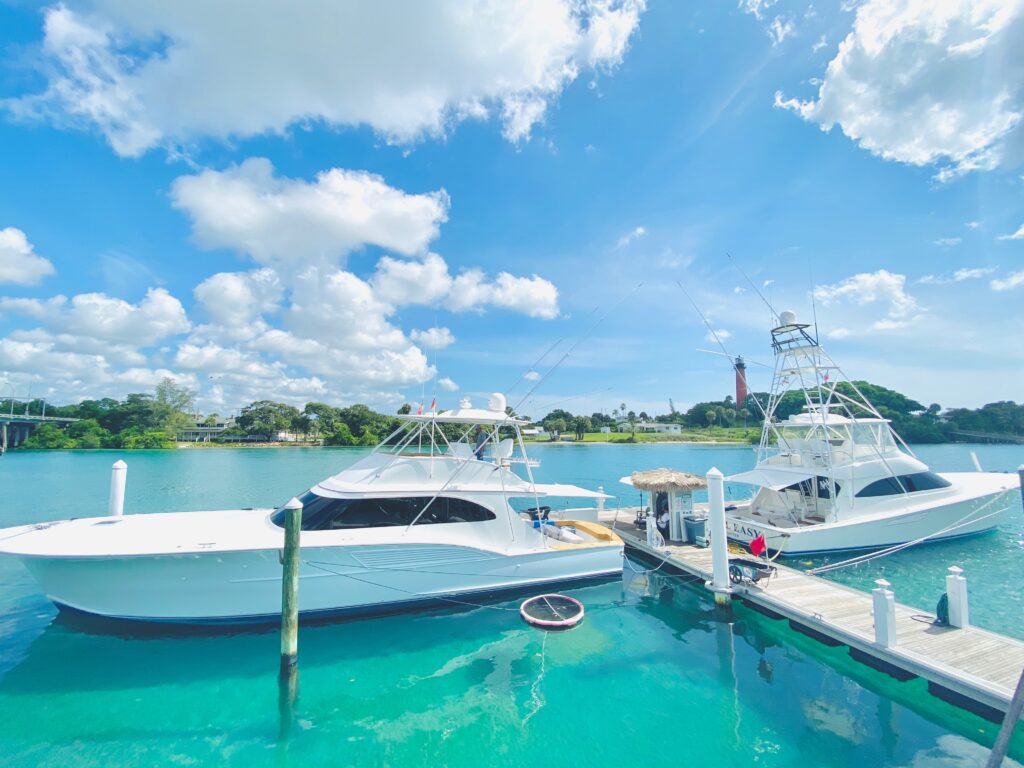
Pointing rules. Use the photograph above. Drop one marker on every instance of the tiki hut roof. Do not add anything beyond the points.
(662, 480)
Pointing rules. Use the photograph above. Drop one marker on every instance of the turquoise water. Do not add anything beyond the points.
(656, 675)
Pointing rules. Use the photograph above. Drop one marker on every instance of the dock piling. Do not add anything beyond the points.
(290, 589)
(600, 499)
(719, 540)
(118, 479)
(1013, 713)
(956, 592)
(883, 608)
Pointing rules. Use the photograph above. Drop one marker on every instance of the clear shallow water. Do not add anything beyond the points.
(655, 673)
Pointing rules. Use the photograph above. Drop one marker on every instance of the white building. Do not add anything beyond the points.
(652, 426)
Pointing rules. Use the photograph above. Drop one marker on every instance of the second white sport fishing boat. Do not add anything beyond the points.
(836, 476)
(428, 516)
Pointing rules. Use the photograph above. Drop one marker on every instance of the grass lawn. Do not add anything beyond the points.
(715, 434)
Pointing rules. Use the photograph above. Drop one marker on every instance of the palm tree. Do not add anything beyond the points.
(710, 415)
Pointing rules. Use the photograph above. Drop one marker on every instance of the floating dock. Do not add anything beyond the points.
(968, 667)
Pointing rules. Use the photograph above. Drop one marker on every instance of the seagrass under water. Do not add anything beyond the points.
(655, 675)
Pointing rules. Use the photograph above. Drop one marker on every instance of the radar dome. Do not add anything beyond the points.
(497, 402)
(787, 317)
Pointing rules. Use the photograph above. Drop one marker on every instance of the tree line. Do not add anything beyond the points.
(154, 420)
(915, 422)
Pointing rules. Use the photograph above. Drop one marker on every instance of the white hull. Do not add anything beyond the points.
(245, 586)
(960, 517)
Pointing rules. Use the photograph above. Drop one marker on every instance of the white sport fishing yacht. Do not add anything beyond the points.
(836, 476)
(427, 516)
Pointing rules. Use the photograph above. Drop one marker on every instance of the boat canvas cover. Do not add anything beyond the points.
(775, 479)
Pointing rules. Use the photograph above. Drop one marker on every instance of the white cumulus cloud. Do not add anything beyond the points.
(165, 72)
(19, 263)
(100, 317)
(249, 208)
(428, 281)
(447, 384)
(877, 291)
(1009, 282)
(1018, 235)
(925, 82)
(433, 338)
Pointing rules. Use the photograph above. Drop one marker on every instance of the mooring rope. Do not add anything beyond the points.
(956, 524)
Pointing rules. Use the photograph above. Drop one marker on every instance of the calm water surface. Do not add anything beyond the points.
(656, 675)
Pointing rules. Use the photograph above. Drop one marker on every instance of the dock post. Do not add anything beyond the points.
(118, 478)
(600, 499)
(883, 608)
(290, 589)
(652, 530)
(719, 541)
(956, 593)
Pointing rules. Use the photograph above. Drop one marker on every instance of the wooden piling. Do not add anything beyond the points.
(290, 589)
(995, 757)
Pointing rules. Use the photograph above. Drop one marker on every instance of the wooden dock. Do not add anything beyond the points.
(970, 668)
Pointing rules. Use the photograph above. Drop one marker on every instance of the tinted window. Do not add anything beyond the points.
(889, 486)
(320, 513)
(924, 481)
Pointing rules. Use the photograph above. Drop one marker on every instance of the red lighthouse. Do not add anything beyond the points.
(741, 382)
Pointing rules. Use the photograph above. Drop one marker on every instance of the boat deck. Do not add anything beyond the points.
(970, 667)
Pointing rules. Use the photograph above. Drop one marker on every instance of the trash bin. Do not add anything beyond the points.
(696, 528)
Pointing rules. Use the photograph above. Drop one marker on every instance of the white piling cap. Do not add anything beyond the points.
(714, 472)
(294, 503)
(119, 464)
(883, 583)
(955, 570)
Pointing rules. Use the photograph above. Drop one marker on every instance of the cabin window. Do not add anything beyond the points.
(890, 486)
(806, 487)
(321, 513)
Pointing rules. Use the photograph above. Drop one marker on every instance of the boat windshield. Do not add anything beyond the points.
(854, 439)
(323, 513)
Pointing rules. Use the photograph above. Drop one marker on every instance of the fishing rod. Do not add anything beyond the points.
(576, 344)
(753, 287)
(533, 368)
(721, 344)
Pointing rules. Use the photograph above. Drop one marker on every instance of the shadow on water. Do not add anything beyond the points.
(121, 654)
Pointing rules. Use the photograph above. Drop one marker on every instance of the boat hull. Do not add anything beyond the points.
(955, 519)
(245, 586)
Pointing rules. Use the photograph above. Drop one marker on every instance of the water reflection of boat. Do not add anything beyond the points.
(836, 476)
(427, 516)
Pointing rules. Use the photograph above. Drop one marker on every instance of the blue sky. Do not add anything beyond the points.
(348, 203)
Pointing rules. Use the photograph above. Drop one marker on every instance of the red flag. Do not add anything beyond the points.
(433, 404)
(758, 546)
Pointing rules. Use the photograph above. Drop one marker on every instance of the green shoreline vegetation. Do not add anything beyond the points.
(158, 419)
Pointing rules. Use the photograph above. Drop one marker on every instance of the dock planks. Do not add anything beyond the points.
(980, 666)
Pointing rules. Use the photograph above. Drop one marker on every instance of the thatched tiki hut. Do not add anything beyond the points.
(671, 492)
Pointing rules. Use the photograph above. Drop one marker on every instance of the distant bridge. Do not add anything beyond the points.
(15, 428)
(988, 437)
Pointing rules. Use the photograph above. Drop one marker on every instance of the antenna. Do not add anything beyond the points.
(814, 305)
